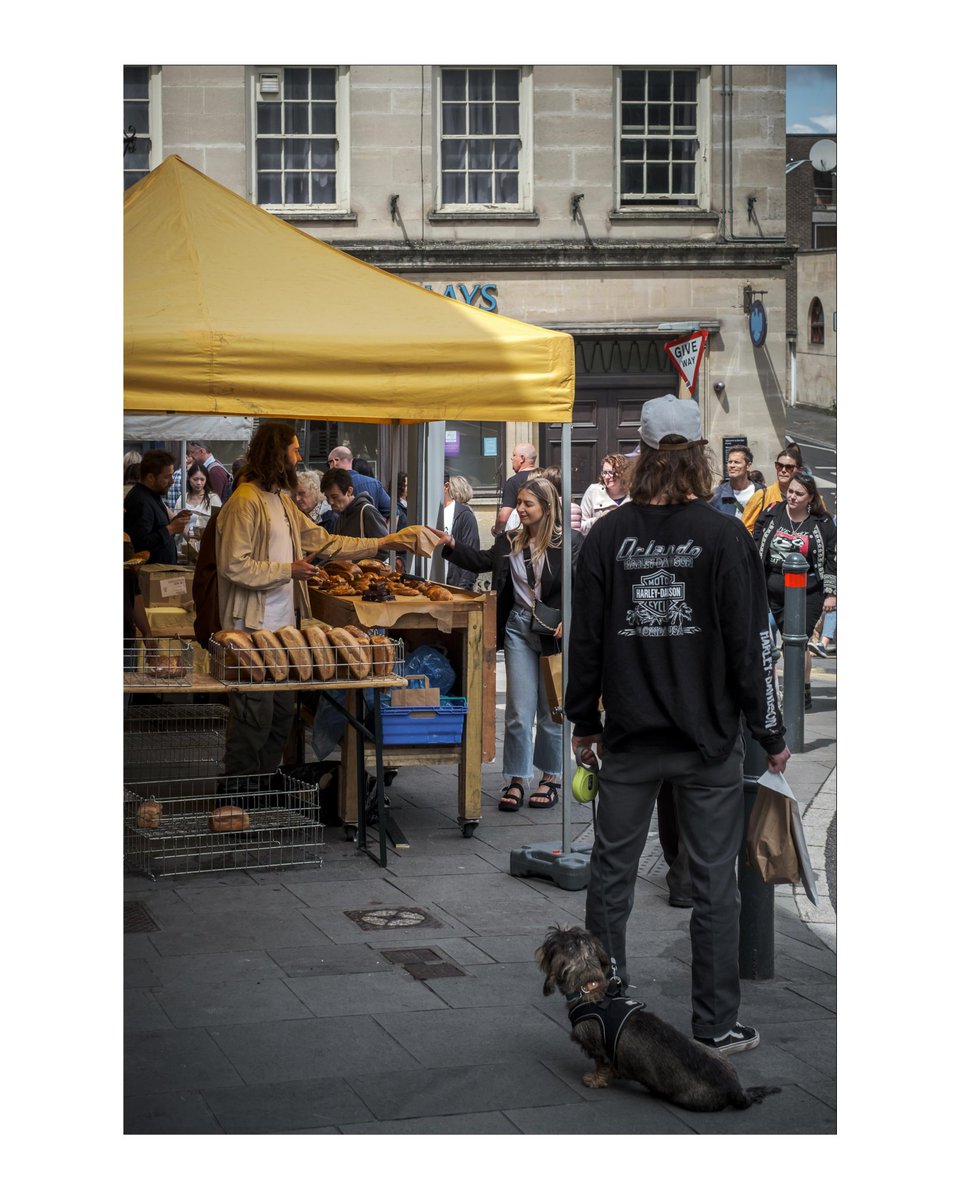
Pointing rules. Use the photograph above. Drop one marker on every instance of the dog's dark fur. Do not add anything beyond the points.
(649, 1051)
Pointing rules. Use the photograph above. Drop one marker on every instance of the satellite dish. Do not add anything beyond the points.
(823, 155)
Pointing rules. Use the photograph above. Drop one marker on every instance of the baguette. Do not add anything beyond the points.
(324, 657)
(350, 653)
(241, 662)
(274, 655)
(384, 654)
(298, 653)
(229, 819)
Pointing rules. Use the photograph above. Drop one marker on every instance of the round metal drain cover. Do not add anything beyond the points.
(393, 918)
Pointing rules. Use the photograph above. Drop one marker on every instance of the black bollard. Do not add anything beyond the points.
(794, 647)
(756, 897)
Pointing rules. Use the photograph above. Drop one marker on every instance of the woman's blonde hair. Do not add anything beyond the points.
(549, 532)
(460, 489)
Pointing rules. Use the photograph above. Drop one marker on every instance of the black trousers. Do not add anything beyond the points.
(709, 805)
(257, 730)
(674, 851)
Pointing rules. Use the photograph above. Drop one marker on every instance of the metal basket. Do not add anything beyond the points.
(164, 662)
(285, 827)
(170, 741)
(225, 667)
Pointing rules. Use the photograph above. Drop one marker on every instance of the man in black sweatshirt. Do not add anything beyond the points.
(670, 629)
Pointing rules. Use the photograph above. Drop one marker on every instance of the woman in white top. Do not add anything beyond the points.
(200, 501)
(608, 494)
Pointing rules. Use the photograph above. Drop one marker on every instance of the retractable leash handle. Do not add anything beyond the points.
(586, 781)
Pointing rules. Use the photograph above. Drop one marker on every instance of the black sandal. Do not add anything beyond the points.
(510, 803)
(552, 790)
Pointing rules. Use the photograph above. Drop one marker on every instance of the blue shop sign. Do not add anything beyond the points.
(485, 294)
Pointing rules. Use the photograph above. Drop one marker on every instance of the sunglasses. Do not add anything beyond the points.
(782, 466)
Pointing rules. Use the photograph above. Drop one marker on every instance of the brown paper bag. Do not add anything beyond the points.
(551, 668)
(418, 539)
(770, 847)
(418, 697)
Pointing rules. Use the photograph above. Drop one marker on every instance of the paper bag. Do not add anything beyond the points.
(416, 697)
(551, 668)
(776, 845)
(419, 539)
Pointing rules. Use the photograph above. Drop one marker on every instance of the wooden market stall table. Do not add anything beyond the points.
(466, 628)
(360, 734)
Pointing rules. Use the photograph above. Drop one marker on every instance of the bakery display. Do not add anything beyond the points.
(241, 661)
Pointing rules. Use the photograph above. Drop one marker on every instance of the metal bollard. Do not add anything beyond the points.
(794, 647)
(756, 897)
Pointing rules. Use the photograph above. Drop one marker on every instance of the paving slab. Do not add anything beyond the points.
(473, 1036)
(270, 897)
(275, 1051)
(341, 930)
(336, 996)
(286, 1107)
(447, 1090)
(813, 1043)
(794, 1110)
(640, 1114)
(230, 1002)
(173, 1060)
(215, 968)
(298, 961)
(219, 932)
(465, 1124)
(469, 863)
(346, 893)
(509, 947)
(169, 1112)
(496, 984)
(141, 1010)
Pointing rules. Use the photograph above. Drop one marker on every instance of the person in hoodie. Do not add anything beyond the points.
(670, 628)
(358, 515)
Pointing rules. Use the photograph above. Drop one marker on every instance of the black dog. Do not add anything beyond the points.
(626, 1042)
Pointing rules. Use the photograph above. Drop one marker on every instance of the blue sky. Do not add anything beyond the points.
(812, 100)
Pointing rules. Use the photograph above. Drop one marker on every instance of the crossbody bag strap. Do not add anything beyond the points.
(531, 578)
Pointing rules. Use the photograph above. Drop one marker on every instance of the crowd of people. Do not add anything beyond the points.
(678, 591)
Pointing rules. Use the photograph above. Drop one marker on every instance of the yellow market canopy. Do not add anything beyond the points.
(230, 310)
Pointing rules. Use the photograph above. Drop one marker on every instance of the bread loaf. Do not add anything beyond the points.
(148, 814)
(324, 658)
(241, 662)
(373, 565)
(346, 570)
(383, 654)
(298, 653)
(229, 819)
(438, 593)
(274, 655)
(350, 654)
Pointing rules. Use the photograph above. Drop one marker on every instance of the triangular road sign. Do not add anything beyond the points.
(686, 353)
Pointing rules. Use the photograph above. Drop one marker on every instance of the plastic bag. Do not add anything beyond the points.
(432, 662)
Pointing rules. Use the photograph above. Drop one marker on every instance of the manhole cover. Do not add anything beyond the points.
(136, 918)
(393, 918)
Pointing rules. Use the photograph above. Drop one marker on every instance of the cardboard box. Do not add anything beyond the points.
(166, 587)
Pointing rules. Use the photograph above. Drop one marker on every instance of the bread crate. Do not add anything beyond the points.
(167, 824)
(427, 725)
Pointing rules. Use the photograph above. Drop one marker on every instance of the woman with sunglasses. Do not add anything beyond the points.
(608, 494)
(788, 461)
(800, 524)
(527, 566)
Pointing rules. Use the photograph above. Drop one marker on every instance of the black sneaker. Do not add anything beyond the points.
(740, 1037)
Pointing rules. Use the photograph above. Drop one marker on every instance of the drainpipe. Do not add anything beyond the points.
(726, 141)
(792, 347)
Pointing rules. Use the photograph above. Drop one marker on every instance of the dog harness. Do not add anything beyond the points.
(613, 1012)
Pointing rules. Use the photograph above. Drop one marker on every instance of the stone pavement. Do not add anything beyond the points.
(258, 1006)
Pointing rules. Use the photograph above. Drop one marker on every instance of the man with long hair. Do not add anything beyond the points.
(265, 545)
(670, 628)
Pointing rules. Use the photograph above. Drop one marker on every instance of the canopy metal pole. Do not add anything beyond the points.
(394, 485)
(566, 609)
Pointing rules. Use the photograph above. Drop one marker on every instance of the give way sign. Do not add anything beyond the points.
(686, 353)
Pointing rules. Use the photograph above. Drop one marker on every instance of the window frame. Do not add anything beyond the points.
(524, 204)
(697, 199)
(154, 121)
(341, 135)
(813, 325)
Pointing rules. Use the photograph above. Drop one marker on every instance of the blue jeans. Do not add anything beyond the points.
(526, 699)
(830, 625)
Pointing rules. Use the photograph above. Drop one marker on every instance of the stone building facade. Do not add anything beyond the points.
(625, 204)
(811, 278)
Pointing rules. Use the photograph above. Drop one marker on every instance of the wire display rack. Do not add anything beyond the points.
(164, 661)
(167, 824)
(282, 665)
(171, 741)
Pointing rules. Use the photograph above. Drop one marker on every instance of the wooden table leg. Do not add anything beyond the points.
(468, 792)
(348, 800)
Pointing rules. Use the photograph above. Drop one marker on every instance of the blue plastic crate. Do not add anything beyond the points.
(427, 726)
